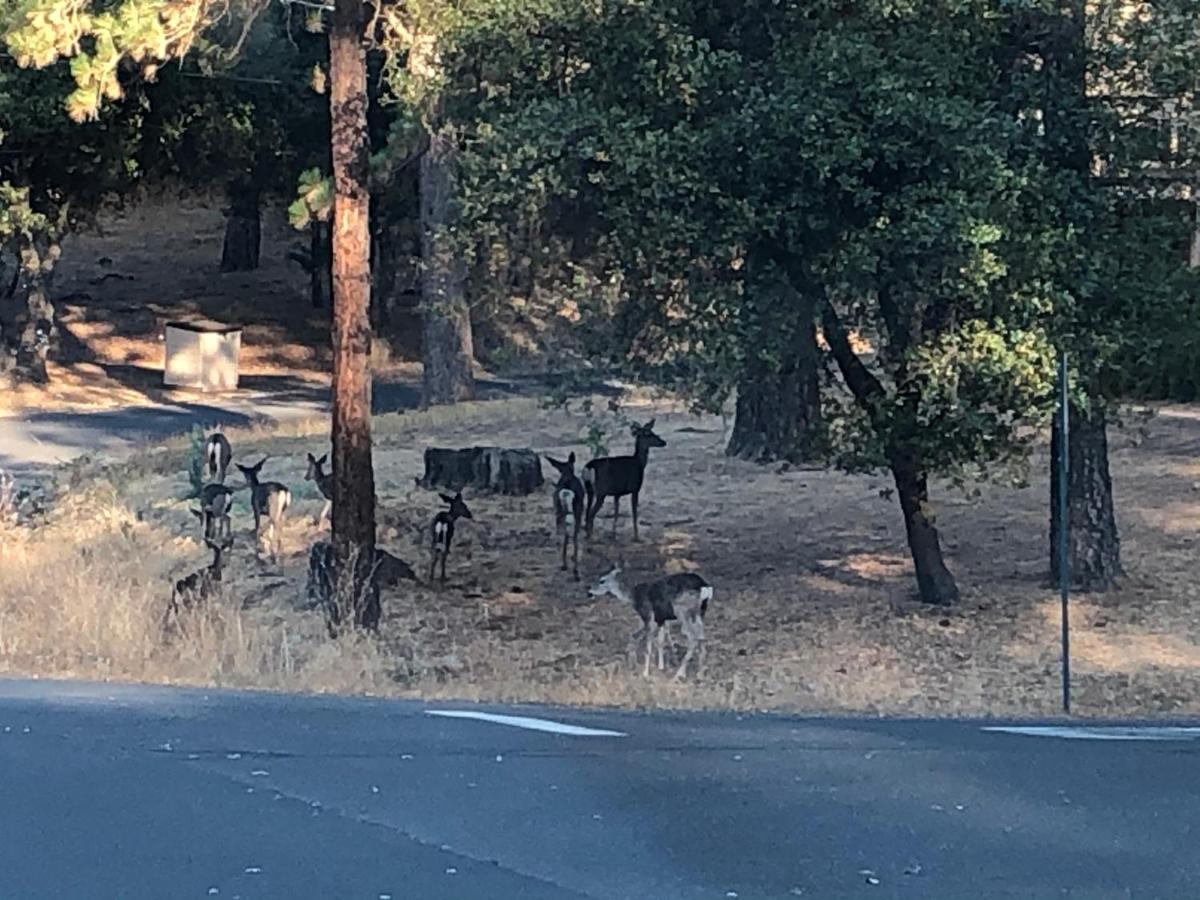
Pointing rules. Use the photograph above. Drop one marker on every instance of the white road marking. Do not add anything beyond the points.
(525, 722)
(1104, 732)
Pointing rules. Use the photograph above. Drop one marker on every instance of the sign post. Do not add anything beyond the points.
(1064, 528)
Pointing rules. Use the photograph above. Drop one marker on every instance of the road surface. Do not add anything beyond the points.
(136, 792)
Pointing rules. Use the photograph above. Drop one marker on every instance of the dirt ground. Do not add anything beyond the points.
(116, 286)
(813, 608)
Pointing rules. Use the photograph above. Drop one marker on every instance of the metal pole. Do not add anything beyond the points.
(1064, 529)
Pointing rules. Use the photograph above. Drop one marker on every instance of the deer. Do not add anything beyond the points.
(214, 510)
(568, 507)
(217, 454)
(617, 476)
(683, 597)
(442, 531)
(194, 590)
(324, 481)
(270, 499)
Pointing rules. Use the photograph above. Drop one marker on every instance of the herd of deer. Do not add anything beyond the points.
(681, 597)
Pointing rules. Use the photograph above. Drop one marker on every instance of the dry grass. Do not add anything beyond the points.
(812, 612)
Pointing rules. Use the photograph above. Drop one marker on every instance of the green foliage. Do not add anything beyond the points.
(314, 199)
(705, 151)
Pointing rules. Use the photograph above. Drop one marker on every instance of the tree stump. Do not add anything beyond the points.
(492, 469)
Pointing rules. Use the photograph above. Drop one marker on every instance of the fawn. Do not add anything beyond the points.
(442, 530)
(568, 507)
(270, 499)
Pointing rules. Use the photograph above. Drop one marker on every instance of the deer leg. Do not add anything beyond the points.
(593, 510)
(324, 512)
(691, 646)
(575, 550)
(566, 537)
(633, 498)
(649, 648)
(662, 643)
(616, 512)
(700, 661)
(433, 565)
(445, 553)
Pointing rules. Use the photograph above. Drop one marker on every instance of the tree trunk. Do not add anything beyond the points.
(319, 284)
(779, 408)
(934, 581)
(448, 345)
(448, 350)
(353, 473)
(243, 230)
(1094, 550)
(37, 331)
(1094, 547)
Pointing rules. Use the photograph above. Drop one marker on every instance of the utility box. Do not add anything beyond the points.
(202, 354)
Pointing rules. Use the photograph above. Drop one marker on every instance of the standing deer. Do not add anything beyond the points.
(316, 472)
(616, 476)
(217, 454)
(270, 499)
(213, 513)
(568, 507)
(683, 597)
(442, 531)
(195, 589)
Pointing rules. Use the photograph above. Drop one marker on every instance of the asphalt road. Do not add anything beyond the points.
(130, 792)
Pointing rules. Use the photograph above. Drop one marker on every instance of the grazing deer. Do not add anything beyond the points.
(568, 507)
(217, 454)
(616, 476)
(442, 531)
(195, 589)
(316, 472)
(683, 597)
(214, 511)
(270, 499)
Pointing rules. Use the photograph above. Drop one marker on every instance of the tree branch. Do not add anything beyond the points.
(867, 389)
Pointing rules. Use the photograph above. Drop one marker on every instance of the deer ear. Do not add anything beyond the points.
(199, 514)
(571, 458)
(321, 461)
(446, 497)
(649, 425)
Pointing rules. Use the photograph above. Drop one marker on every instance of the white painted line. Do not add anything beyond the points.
(1104, 732)
(525, 722)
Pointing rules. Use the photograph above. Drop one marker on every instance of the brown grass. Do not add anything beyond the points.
(812, 612)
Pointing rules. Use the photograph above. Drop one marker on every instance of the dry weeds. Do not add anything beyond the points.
(813, 607)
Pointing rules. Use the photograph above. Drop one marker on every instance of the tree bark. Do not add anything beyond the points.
(243, 230)
(934, 581)
(779, 408)
(1094, 551)
(448, 344)
(1094, 546)
(36, 328)
(448, 350)
(353, 473)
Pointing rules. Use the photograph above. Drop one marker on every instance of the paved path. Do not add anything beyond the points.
(133, 792)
